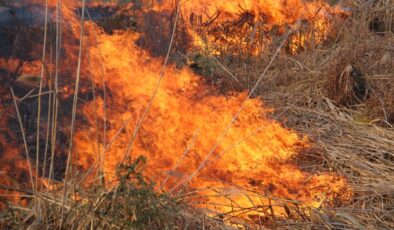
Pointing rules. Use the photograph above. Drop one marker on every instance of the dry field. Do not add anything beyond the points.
(197, 114)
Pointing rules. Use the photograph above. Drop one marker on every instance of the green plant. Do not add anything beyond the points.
(134, 200)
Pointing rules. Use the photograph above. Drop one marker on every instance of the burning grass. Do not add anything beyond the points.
(335, 90)
(131, 204)
(312, 93)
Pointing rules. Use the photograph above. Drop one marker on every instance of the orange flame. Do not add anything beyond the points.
(264, 16)
(186, 119)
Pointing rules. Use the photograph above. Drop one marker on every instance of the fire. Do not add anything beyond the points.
(13, 171)
(186, 117)
(250, 24)
(186, 120)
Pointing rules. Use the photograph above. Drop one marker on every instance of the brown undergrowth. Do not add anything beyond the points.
(339, 93)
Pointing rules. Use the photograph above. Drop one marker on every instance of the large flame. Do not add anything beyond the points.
(186, 120)
(186, 116)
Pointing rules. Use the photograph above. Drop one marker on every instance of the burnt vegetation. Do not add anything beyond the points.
(333, 86)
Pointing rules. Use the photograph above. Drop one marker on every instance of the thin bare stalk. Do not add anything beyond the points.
(74, 111)
(55, 105)
(24, 140)
(49, 114)
(39, 93)
(102, 154)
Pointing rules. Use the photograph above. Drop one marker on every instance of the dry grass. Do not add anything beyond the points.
(312, 92)
(131, 204)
